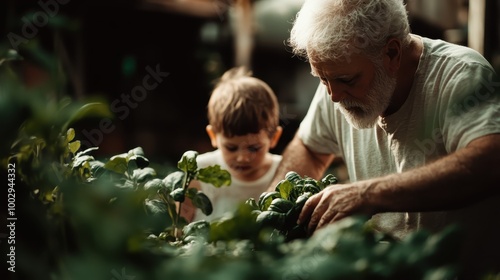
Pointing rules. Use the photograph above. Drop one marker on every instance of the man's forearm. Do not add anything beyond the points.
(297, 157)
(457, 180)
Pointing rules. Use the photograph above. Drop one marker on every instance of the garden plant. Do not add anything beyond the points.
(83, 217)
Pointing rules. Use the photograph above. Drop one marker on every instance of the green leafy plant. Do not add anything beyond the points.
(280, 209)
(174, 189)
(159, 197)
(90, 217)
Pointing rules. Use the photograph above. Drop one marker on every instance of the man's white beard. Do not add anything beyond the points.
(362, 115)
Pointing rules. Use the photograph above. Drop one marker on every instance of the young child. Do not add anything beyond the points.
(243, 117)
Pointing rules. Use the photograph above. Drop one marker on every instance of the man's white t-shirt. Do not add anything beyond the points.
(226, 199)
(454, 100)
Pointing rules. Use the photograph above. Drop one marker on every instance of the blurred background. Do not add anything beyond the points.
(154, 61)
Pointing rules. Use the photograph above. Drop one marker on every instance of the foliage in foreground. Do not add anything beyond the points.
(109, 226)
(80, 217)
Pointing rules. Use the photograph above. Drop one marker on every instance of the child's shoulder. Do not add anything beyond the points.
(276, 157)
(276, 160)
(209, 158)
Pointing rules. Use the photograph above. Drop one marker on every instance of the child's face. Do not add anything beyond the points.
(246, 155)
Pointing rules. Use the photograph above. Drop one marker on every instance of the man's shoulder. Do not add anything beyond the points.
(437, 49)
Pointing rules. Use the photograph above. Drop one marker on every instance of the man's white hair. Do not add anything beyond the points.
(335, 29)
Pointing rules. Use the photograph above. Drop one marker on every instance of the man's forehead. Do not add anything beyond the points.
(338, 67)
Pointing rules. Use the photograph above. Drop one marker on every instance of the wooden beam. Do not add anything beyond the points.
(476, 25)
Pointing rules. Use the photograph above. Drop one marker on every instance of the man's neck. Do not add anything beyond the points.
(409, 64)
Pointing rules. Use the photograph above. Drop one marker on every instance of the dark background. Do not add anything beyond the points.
(106, 53)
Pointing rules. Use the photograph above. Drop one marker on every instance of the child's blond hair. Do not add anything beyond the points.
(241, 104)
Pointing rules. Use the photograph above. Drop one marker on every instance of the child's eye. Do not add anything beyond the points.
(231, 148)
(254, 149)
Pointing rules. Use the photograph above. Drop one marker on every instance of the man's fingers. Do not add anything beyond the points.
(317, 214)
(330, 217)
(308, 208)
(326, 218)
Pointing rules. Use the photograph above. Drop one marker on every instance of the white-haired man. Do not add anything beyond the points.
(417, 122)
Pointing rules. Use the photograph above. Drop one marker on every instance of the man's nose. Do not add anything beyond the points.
(336, 93)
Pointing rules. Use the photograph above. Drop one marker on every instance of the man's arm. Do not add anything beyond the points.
(297, 157)
(458, 180)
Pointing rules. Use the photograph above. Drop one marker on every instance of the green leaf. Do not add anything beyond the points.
(202, 202)
(252, 203)
(70, 135)
(311, 188)
(74, 146)
(200, 229)
(293, 177)
(240, 225)
(97, 168)
(79, 161)
(214, 175)
(155, 206)
(117, 164)
(284, 187)
(174, 180)
(280, 205)
(136, 151)
(178, 195)
(187, 163)
(9, 56)
(138, 160)
(270, 219)
(329, 179)
(191, 192)
(154, 185)
(86, 151)
(93, 109)
(301, 200)
(266, 198)
(127, 184)
(141, 175)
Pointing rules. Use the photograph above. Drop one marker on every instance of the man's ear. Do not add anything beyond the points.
(276, 137)
(392, 55)
(211, 135)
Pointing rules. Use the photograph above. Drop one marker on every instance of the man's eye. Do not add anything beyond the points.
(347, 81)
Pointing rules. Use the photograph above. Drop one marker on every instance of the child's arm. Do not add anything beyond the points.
(188, 210)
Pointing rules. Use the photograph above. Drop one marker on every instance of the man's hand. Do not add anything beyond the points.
(332, 204)
(416, 190)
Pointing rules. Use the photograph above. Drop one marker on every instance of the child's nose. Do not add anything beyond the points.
(243, 156)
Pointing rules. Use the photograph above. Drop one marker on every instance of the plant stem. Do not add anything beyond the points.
(176, 226)
(185, 184)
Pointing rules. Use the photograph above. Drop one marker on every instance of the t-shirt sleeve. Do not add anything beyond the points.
(317, 129)
(473, 109)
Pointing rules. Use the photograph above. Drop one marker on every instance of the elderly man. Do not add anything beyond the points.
(417, 122)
